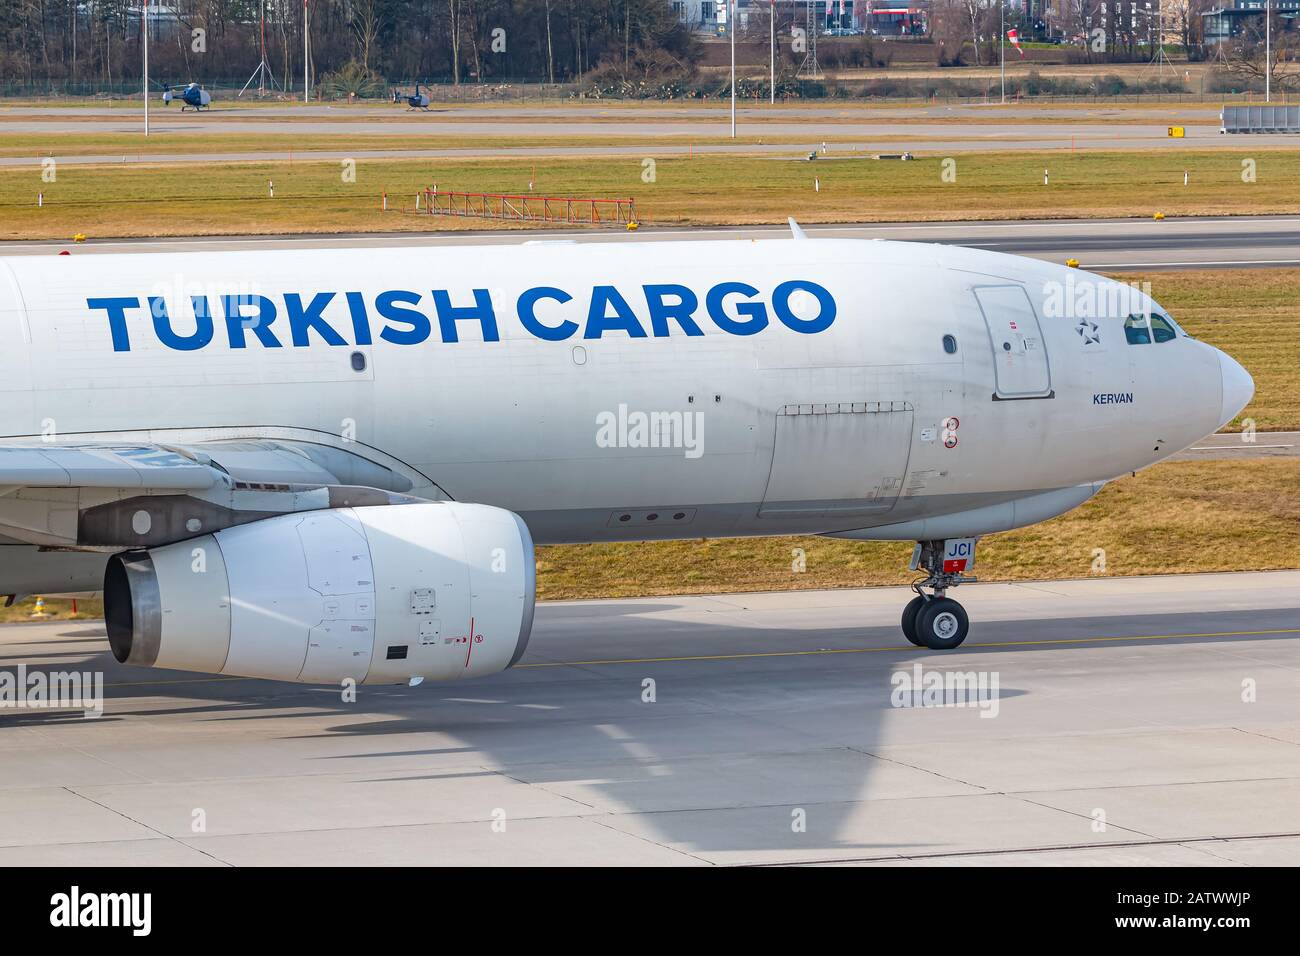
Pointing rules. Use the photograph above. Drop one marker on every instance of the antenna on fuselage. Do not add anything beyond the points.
(795, 231)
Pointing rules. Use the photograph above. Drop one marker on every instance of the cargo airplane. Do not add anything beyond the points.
(330, 464)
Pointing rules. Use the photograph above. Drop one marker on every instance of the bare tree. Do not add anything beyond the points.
(365, 22)
(1079, 18)
(1245, 57)
(44, 42)
(973, 15)
(948, 31)
(453, 34)
(550, 52)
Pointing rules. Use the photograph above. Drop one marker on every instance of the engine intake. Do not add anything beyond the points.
(388, 594)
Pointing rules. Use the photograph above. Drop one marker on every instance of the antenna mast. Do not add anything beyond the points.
(810, 69)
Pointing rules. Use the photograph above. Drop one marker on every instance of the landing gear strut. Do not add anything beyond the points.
(935, 620)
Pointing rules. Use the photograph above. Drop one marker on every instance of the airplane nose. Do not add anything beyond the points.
(1238, 388)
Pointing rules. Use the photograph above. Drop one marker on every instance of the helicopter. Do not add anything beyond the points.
(417, 100)
(191, 95)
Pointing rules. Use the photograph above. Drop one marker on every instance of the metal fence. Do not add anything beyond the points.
(566, 209)
(1261, 119)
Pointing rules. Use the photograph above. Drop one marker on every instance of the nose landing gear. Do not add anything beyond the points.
(935, 620)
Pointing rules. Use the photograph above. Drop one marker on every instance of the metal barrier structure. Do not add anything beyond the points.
(564, 209)
(1260, 119)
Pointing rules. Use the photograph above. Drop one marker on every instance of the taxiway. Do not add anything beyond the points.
(1149, 720)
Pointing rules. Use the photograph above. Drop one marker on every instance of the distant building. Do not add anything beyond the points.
(1229, 21)
(830, 17)
(896, 18)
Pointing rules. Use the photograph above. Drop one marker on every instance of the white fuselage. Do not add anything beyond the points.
(614, 422)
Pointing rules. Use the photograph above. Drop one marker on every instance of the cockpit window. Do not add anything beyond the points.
(1137, 330)
(1162, 329)
(1143, 329)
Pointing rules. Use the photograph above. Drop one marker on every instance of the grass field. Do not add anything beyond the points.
(1178, 516)
(469, 133)
(312, 196)
(118, 145)
(116, 148)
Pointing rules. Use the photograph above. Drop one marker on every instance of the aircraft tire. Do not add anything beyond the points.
(942, 624)
(909, 620)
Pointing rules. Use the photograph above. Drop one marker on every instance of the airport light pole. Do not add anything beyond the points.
(1002, 48)
(1268, 51)
(731, 28)
(772, 53)
(306, 77)
(144, 40)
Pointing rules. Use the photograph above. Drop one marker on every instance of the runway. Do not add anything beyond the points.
(1136, 721)
(1231, 446)
(1109, 245)
(649, 130)
(294, 115)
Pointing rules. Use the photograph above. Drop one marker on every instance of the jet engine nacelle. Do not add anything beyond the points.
(385, 594)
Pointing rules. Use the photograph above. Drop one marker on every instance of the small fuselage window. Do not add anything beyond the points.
(950, 344)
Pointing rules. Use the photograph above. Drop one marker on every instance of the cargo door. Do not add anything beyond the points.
(838, 459)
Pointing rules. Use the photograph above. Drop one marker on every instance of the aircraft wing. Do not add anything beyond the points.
(106, 494)
(102, 466)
